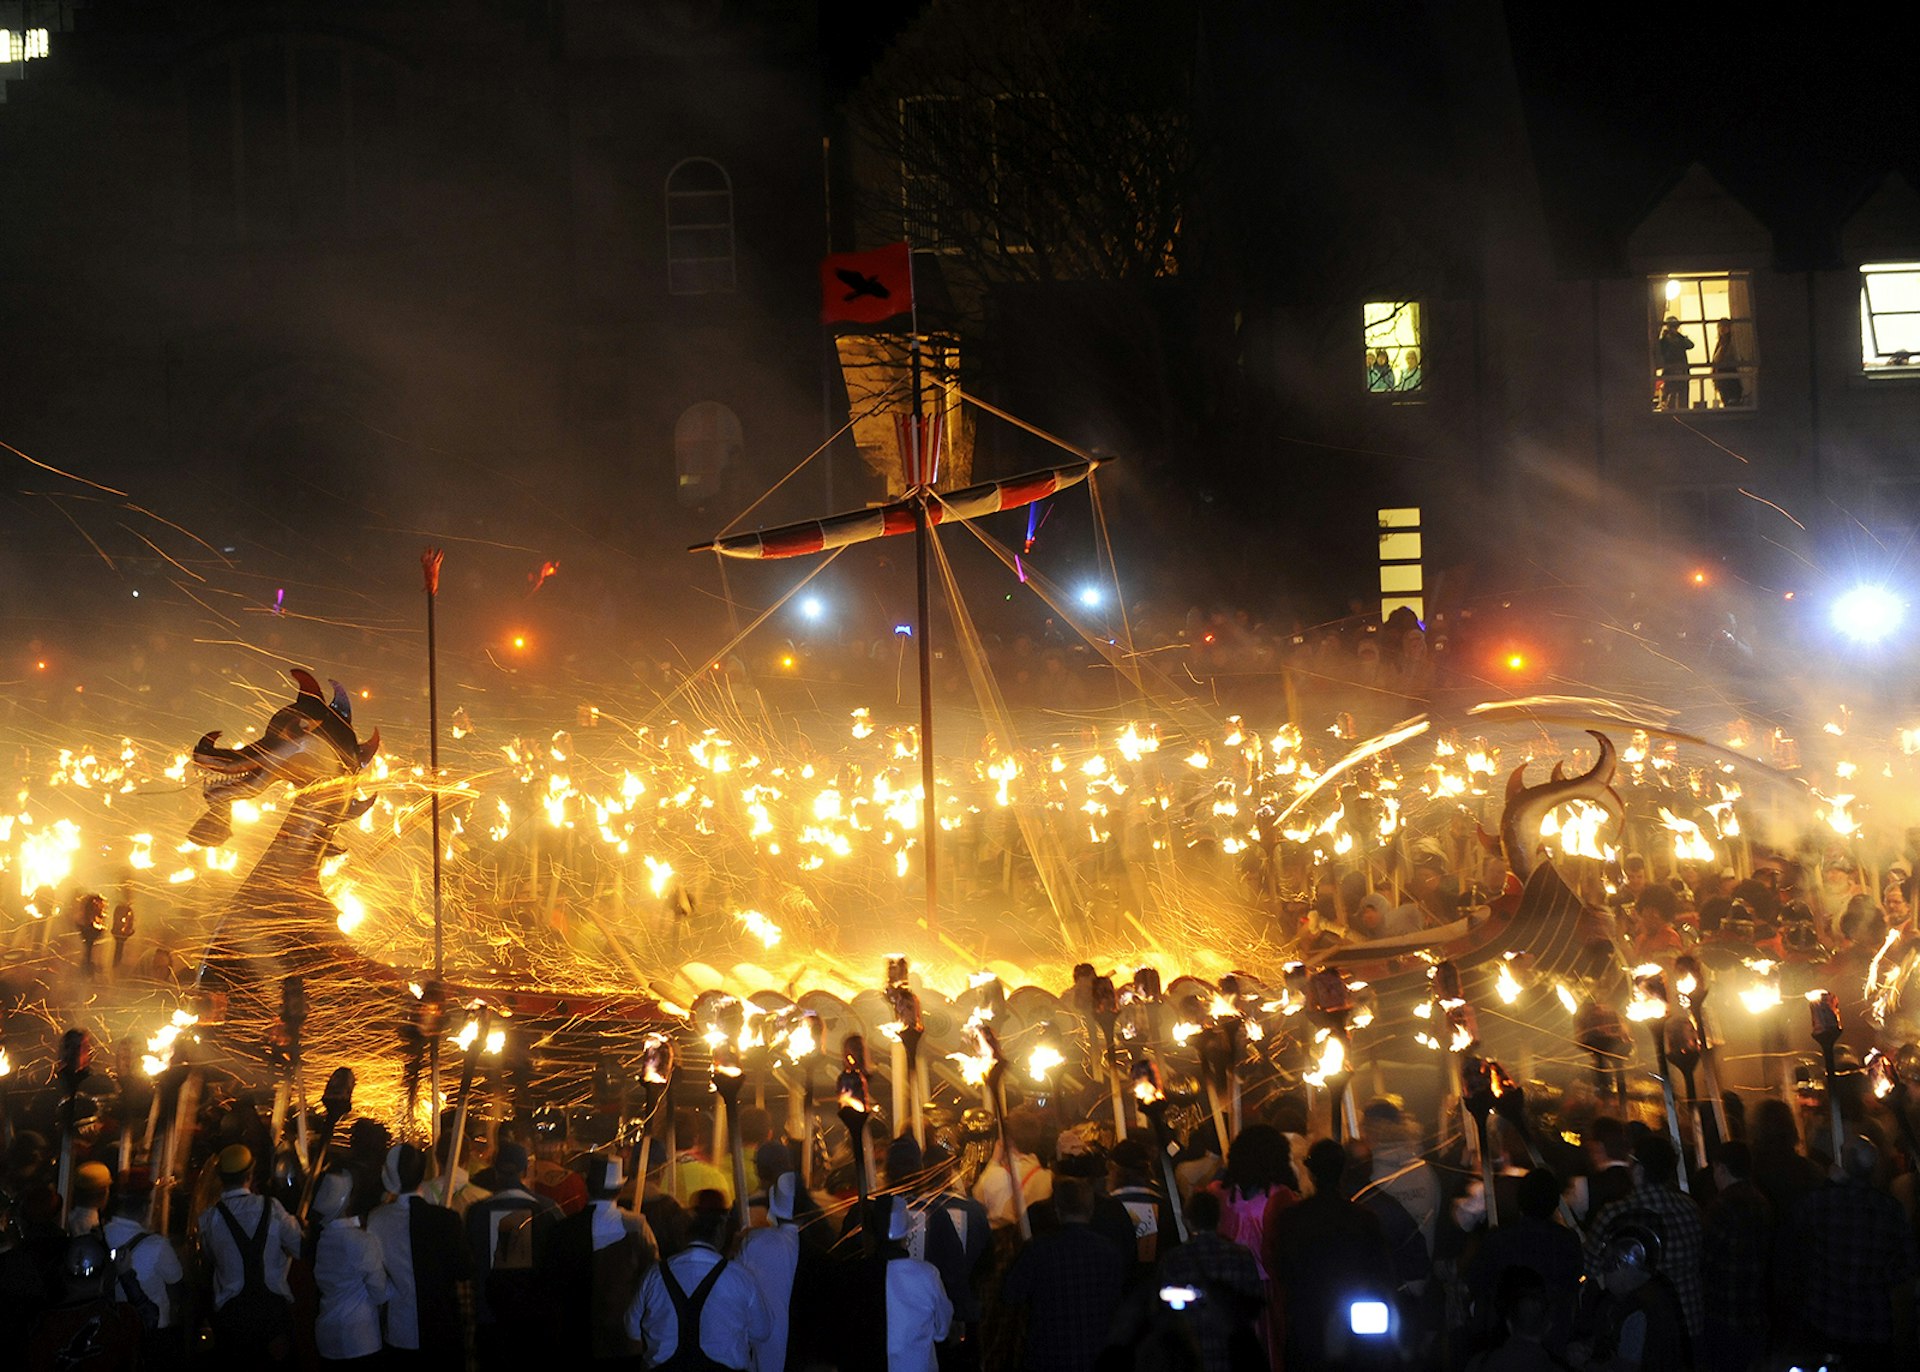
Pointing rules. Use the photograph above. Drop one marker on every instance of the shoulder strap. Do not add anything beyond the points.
(253, 1270)
(259, 1240)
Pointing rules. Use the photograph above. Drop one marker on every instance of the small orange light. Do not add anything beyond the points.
(519, 642)
(1699, 578)
(40, 666)
(1206, 638)
(1515, 662)
(1789, 595)
(366, 695)
(786, 662)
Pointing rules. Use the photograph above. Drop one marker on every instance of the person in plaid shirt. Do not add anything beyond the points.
(1737, 1268)
(1229, 1286)
(1655, 1204)
(1852, 1261)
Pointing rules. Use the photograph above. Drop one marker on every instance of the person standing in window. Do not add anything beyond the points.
(1379, 371)
(1674, 347)
(1410, 377)
(1726, 366)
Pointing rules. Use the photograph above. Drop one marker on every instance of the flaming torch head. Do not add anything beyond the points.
(1105, 1002)
(1881, 1074)
(1824, 1010)
(727, 1075)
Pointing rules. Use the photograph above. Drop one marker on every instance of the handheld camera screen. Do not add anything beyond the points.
(1179, 1297)
(1367, 1317)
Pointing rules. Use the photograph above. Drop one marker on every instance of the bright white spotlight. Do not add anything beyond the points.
(1868, 614)
(812, 607)
(1091, 596)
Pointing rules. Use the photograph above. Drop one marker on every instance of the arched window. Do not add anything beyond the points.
(699, 228)
(706, 441)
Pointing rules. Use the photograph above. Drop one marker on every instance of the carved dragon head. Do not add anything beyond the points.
(306, 743)
(1527, 805)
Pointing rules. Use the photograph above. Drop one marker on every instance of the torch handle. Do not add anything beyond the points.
(1486, 1174)
(738, 1148)
(1833, 1108)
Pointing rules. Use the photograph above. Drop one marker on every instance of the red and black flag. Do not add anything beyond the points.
(866, 287)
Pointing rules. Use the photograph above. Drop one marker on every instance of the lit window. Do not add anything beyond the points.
(699, 228)
(1401, 581)
(1392, 335)
(1890, 318)
(707, 440)
(1705, 354)
(22, 47)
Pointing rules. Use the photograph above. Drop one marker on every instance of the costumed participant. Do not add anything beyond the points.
(147, 1272)
(349, 1276)
(1639, 1326)
(424, 1247)
(251, 1242)
(1134, 1213)
(592, 1270)
(772, 1255)
(697, 1310)
(918, 1311)
(956, 1238)
(507, 1235)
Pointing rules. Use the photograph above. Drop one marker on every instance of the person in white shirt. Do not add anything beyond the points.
(424, 1247)
(251, 1241)
(994, 1188)
(918, 1311)
(773, 1256)
(349, 1275)
(698, 1292)
(147, 1270)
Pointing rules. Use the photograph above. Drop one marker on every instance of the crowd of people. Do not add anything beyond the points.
(1582, 1238)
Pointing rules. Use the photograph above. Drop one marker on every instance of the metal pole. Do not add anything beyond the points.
(430, 565)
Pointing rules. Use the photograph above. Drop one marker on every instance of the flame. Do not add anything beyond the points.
(1042, 1060)
(1566, 998)
(159, 1054)
(1333, 1061)
(1689, 844)
(1507, 985)
(760, 927)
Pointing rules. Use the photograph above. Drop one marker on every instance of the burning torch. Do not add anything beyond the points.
(1151, 1097)
(1692, 981)
(336, 1099)
(909, 1029)
(75, 1064)
(854, 1112)
(478, 1036)
(1105, 1004)
(1824, 1011)
(1482, 1081)
(1649, 1004)
(1330, 1001)
(727, 1078)
(986, 1047)
(1889, 1077)
(656, 1072)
